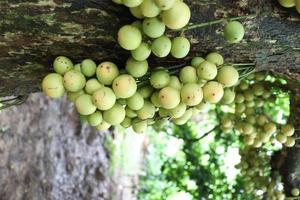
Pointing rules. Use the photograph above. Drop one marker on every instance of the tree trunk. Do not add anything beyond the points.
(32, 33)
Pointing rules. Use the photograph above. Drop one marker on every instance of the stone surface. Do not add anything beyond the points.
(47, 154)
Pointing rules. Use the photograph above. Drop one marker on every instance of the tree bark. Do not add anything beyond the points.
(32, 33)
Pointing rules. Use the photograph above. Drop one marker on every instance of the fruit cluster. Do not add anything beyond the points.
(148, 34)
(256, 172)
(249, 118)
(290, 4)
(106, 96)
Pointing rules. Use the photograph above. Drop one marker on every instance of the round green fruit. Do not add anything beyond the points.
(107, 72)
(114, 115)
(213, 92)
(191, 94)
(175, 83)
(146, 91)
(139, 126)
(136, 12)
(142, 52)
(234, 32)
(180, 47)
(188, 74)
(215, 58)
(161, 46)
(135, 102)
(53, 86)
(147, 111)
(135, 68)
(207, 70)
(169, 97)
(74, 81)
(159, 79)
(88, 67)
(295, 192)
(132, 3)
(287, 3)
(104, 98)
(229, 96)
(288, 130)
(103, 126)
(178, 111)
(165, 4)
(124, 86)
(127, 122)
(178, 16)
(92, 85)
(129, 37)
(196, 61)
(84, 105)
(149, 8)
(95, 119)
(228, 76)
(153, 27)
(62, 65)
(72, 96)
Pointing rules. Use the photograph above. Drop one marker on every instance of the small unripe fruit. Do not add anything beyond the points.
(239, 98)
(146, 91)
(92, 85)
(290, 142)
(196, 61)
(88, 67)
(295, 192)
(287, 3)
(107, 72)
(178, 16)
(127, 122)
(228, 76)
(188, 74)
(132, 3)
(207, 70)
(52, 85)
(213, 92)
(72, 96)
(270, 128)
(159, 79)
(288, 130)
(161, 46)
(124, 86)
(135, 102)
(103, 126)
(142, 52)
(147, 111)
(62, 65)
(180, 47)
(229, 96)
(234, 32)
(178, 111)
(74, 81)
(165, 4)
(215, 58)
(174, 83)
(130, 113)
(149, 8)
(104, 98)
(84, 105)
(183, 119)
(153, 27)
(281, 138)
(129, 37)
(169, 97)
(136, 12)
(155, 99)
(139, 126)
(191, 94)
(115, 115)
(135, 68)
(95, 119)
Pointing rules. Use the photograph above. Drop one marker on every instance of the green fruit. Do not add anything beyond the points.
(178, 16)
(92, 85)
(207, 70)
(77, 67)
(103, 126)
(84, 105)
(162, 112)
(147, 111)
(161, 46)
(149, 8)
(178, 111)
(191, 94)
(261, 120)
(138, 24)
(249, 111)
(124, 86)
(270, 128)
(130, 113)
(239, 98)
(258, 89)
(239, 108)
(259, 103)
(155, 99)
(184, 118)
(196, 61)
(295, 192)
(146, 91)
(250, 104)
(62, 65)
(136, 12)
(260, 76)
(123, 102)
(226, 123)
(107, 72)
(248, 129)
(135, 102)
(213, 92)
(215, 58)
(288, 130)
(281, 138)
(174, 83)
(249, 96)
(203, 106)
(52, 85)
(72, 96)
(127, 122)
(228, 76)
(298, 6)
(290, 142)
(88, 67)
(114, 115)
(129, 37)
(287, 3)
(188, 74)
(132, 3)
(135, 68)
(169, 97)
(139, 126)
(153, 27)
(244, 85)
(95, 119)
(74, 81)
(104, 98)
(234, 32)
(159, 79)
(180, 47)
(117, 1)
(142, 52)
(165, 4)
(229, 96)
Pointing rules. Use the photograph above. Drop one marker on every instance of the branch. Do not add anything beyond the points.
(203, 136)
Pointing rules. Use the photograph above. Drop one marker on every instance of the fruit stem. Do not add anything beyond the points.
(218, 21)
